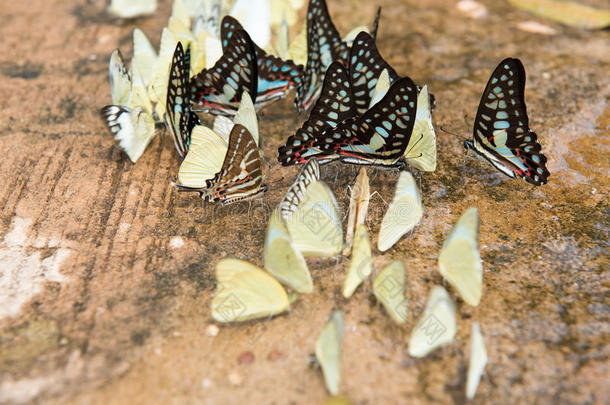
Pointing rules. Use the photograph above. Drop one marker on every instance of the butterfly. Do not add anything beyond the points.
(275, 76)
(179, 117)
(366, 67)
(324, 46)
(218, 90)
(334, 106)
(439, 311)
(282, 257)
(208, 147)
(240, 177)
(380, 136)
(389, 289)
(501, 133)
(130, 118)
(246, 292)
(459, 260)
(361, 263)
(328, 351)
(311, 214)
(403, 214)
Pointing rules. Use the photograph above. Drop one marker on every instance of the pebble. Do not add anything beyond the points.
(235, 378)
(246, 358)
(211, 330)
(536, 28)
(275, 355)
(472, 9)
(206, 383)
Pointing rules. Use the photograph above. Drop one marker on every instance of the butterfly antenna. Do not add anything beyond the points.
(453, 133)
(376, 193)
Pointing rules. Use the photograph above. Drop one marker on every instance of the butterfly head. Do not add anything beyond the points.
(468, 144)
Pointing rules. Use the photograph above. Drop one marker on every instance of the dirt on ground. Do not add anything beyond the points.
(107, 273)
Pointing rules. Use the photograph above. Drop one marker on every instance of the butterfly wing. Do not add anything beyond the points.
(179, 117)
(120, 79)
(380, 136)
(275, 76)
(332, 47)
(365, 67)
(241, 175)
(134, 129)
(501, 132)
(334, 105)
(219, 88)
(308, 174)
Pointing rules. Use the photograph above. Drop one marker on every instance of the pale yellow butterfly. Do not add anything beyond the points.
(437, 325)
(405, 211)
(361, 263)
(328, 351)
(389, 288)
(246, 292)
(282, 259)
(459, 260)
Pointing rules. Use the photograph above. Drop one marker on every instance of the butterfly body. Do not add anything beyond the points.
(501, 132)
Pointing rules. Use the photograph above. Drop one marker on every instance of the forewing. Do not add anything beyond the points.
(179, 117)
(365, 66)
(219, 88)
(241, 175)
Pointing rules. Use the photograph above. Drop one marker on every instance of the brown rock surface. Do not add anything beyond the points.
(99, 304)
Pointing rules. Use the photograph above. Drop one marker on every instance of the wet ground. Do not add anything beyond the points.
(107, 273)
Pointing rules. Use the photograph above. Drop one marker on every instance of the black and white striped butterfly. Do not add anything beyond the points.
(501, 134)
(275, 75)
(293, 197)
(240, 177)
(179, 117)
(334, 106)
(218, 90)
(324, 46)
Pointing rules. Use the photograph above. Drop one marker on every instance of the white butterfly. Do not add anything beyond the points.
(130, 117)
(405, 211)
(459, 260)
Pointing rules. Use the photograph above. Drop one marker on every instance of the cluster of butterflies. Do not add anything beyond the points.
(360, 112)
(308, 223)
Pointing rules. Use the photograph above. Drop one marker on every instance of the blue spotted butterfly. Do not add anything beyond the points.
(275, 76)
(218, 90)
(501, 133)
(324, 46)
(179, 117)
(334, 106)
(365, 66)
(380, 136)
